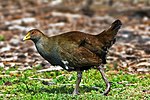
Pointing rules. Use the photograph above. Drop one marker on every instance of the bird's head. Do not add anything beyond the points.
(33, 35)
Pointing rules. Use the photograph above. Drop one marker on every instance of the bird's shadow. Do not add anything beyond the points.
(68, 89)
(64, 89)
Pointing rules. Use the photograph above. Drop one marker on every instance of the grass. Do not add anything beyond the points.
(124, 86)
(2, 38)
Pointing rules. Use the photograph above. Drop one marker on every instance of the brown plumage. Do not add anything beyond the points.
(75, 50)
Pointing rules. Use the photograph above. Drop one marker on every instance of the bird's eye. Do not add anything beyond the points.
(32, 32)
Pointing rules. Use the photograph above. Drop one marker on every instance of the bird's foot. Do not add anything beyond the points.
(75, 92)
(107, 89)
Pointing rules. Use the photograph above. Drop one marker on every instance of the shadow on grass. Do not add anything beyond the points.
(68, 89)
(64, 89)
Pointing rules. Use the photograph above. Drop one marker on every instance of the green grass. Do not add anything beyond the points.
(2, 38)
(124, 86)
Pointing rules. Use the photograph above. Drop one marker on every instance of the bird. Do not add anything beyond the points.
(77, 51)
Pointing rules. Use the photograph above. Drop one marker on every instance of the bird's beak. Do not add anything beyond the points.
(27, 37)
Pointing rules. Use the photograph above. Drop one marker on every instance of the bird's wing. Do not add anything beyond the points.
(94, 47)
(80, 52)
(79, 56)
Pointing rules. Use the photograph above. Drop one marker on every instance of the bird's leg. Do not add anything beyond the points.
(108, 84)
(79, 76)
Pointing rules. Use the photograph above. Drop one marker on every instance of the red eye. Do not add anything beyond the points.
(32, 32)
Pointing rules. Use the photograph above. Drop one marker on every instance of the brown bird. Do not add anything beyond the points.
(76, 51)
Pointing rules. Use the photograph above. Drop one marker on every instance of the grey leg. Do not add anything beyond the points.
(108, 84)
(79, 76)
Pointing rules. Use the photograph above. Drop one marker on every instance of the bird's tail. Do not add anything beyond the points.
(115, 26)
(107, 37)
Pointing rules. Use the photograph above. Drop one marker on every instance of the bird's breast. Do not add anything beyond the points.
(51, 54)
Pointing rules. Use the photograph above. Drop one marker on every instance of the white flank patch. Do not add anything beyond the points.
(65, 63)
(66, 67)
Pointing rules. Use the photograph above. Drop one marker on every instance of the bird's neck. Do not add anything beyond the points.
(40, 39)
(44, 42)
(41, 44)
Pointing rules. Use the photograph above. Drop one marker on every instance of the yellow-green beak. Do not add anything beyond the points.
(27, 37)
